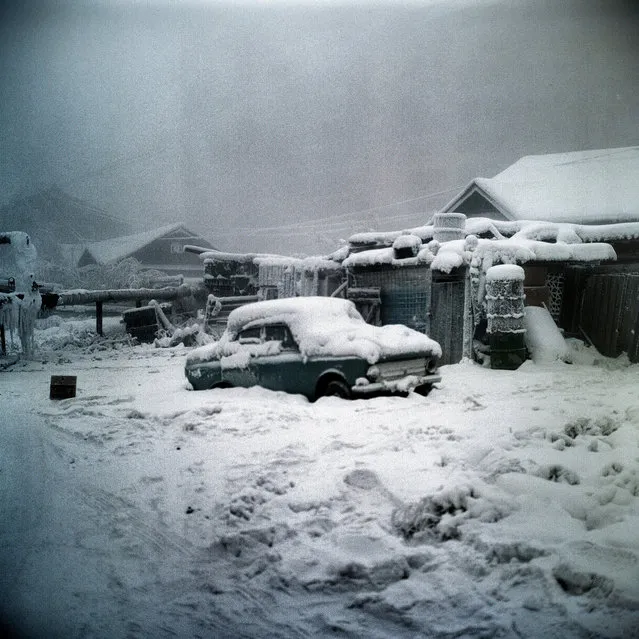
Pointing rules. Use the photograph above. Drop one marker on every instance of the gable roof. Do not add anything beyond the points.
(588, 187)
(118, 248)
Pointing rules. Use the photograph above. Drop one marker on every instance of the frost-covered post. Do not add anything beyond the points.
(505, 315)
(19, 310)
(449, 226)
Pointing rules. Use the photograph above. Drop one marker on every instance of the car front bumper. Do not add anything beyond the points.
(402, 385)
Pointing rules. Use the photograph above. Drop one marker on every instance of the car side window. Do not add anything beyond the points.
(249, 335)
(279, 333)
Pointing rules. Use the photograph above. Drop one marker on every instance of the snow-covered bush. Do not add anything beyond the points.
(127, 273)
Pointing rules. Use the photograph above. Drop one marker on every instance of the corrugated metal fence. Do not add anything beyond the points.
(608, 312)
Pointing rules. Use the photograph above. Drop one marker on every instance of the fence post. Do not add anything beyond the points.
(98, 318)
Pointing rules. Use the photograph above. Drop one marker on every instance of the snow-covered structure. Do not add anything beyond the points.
(436, 286)
(290, 277)
(584, 187)
(159, 249)
(269, 276)
(20, 300)
(571, 220)
(234, 279)
(576, 198)
(439, 287)
(18, 258)
(598, 187)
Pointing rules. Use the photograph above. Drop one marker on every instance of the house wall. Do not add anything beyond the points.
(225, 278)
(627, 251)
(161, 252)
(475, 205)
(429, 302)
(448, 314)
(86, 259)
(167, 254)
(404, 293)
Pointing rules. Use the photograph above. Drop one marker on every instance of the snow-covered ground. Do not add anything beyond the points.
(504, 504)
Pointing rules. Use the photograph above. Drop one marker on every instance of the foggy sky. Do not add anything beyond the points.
(277, 127)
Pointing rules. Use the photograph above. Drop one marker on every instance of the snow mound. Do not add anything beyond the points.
(543, 338)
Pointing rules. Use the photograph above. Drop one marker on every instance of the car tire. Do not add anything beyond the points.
(336, 388)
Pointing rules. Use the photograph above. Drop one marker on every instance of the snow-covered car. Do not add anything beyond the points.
(314, 346)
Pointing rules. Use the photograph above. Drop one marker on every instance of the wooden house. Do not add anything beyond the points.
(161, 249)
(593, 188)
(438, 286)
(584, 196)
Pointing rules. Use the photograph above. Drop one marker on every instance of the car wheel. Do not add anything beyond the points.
(336, 388)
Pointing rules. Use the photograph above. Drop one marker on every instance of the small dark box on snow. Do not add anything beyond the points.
(62, 386)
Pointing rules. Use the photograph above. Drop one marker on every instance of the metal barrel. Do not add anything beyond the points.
(505, 314)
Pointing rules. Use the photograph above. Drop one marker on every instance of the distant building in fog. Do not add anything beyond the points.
(161, 249)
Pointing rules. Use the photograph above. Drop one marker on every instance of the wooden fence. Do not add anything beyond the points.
(604, 307)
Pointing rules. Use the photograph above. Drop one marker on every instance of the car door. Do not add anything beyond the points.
(239, 369)
(284, 368)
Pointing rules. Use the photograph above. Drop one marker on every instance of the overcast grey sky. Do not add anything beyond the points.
(271, 126)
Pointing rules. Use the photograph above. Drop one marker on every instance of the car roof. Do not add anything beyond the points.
(291, 309)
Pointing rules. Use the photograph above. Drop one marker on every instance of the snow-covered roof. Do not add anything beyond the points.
(118, 248)
(528, 242)
(588, 187)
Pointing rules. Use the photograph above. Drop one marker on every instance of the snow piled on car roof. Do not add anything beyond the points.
(322, 326)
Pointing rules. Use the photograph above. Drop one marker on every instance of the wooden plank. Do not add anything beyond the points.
(98, 318)
(631, 325)
(633, 351)
(596, 314)
(612, 311)
(447, 321)
(457, 333)
(633, 311)
(626, 317)
(585, 307)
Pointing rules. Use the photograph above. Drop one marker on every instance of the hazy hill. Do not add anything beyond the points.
(53, 217)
